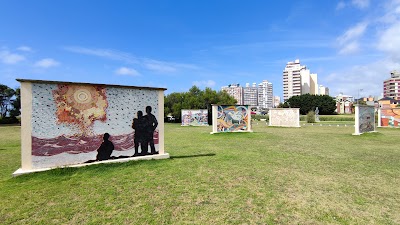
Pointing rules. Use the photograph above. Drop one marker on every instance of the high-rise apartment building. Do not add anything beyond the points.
(277, 101)
(236, 91)
(323, 90)
(391, 86)
(265, 95)
(292, 79)
(298, 80)
(250, 95)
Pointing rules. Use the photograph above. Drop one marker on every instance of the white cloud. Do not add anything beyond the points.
(383, 33)
(150, 64)
(389, 34)
(361, 4)
(353, 33)
(368, 77)
(340, 5)
(10, 58)
(46, 63)
(349, 41)
(349, 48)
(24, 48)
(159, 66)
(204, 83)
(390, 40)
(127, 71)
(104, 53)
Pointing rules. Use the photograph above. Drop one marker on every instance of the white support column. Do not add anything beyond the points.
(379, 117)
(26, 125)
(357, 120)
(214, 118)
(161, 149)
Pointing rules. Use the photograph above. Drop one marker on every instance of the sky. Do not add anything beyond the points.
(351, 44)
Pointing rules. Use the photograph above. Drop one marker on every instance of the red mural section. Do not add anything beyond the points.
(81, 144)
(390, 117)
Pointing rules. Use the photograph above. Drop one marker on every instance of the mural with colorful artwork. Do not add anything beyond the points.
(194, 117)
(365, 119)
(74, 123)
(390, 117)
(228, 118)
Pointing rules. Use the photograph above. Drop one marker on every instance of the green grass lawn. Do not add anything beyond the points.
(307, 175)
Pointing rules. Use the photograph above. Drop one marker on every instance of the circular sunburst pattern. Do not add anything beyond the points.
(82, 96)
(80, 104)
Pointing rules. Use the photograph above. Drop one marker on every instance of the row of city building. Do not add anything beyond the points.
(255, 95)
(297, 80)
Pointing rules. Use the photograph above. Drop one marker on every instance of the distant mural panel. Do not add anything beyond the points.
(232, 118)
(69, 122)
(366, 119)
(284, 117)
(390, 117)
(194, 117)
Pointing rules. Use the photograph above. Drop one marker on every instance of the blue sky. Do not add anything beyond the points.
(350, 44)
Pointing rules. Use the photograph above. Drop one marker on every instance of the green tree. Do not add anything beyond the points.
(326, 104)
(16, 103)
(195, 99)
(6, 95)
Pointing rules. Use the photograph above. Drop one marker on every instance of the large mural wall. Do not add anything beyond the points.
(365, 119)
(389, 117)
(69, 123)
(194, 117)
(231, 118)
(284, 117)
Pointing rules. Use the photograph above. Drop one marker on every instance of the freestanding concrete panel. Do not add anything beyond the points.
(284, 117)
(194, 117)
(364, 119)
(63, 123)
(231, 118)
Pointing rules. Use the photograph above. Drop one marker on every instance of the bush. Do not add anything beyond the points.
(331, 118)
(311, 117)
(259, 117)
(9, 120)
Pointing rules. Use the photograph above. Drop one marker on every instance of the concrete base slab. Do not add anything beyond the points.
(20, 171)
(240, 131)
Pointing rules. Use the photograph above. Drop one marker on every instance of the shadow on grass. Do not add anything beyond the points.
(191, 156)
(57, 174)
(370, 135)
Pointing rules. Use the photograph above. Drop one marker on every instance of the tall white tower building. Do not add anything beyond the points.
(298, 80)
(265, 95)
(292, 79)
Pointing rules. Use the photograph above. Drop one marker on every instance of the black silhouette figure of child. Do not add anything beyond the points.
(105, 150)
(150, 128)
(140, 124)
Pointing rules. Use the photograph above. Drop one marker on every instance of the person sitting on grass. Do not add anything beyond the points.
(106, 148)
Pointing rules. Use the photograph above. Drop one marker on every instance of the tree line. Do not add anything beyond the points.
(306, 102)
(195, 99)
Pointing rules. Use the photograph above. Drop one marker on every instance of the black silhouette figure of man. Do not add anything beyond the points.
(151, 127)
(105, 150)
(140, 124)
